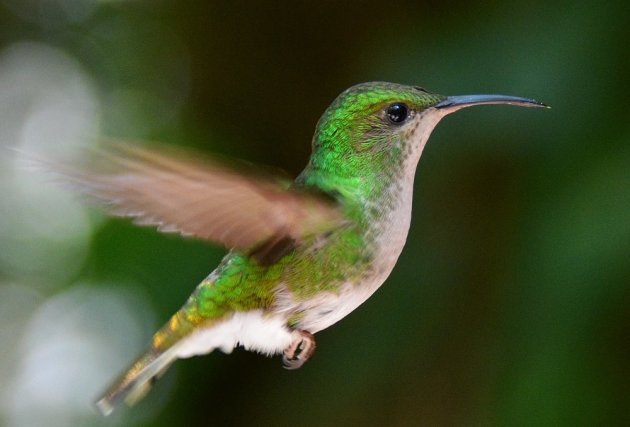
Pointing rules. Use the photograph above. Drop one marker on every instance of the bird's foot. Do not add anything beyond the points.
(300, 350)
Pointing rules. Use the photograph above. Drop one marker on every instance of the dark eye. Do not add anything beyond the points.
(397, 113)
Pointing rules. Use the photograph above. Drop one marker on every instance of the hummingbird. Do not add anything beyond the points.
(303, 253)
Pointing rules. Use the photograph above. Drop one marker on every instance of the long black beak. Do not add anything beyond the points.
(462, 101)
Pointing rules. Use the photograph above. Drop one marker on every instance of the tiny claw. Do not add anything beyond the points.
(299, 351)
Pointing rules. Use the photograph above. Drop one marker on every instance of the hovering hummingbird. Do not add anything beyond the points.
(303, 253)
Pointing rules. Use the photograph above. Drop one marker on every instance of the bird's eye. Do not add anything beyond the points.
(397, 113)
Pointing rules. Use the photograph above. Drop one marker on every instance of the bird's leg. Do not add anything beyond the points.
(300, 350)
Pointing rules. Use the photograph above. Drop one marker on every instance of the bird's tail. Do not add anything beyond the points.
(135, 383)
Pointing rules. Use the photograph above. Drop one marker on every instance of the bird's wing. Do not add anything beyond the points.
(177, 192)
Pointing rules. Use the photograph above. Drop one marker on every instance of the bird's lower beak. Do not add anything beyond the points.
(454, 103)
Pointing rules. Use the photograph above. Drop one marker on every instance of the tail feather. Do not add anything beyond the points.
(136, 382)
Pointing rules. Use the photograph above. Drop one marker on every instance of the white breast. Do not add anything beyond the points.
(330, 307)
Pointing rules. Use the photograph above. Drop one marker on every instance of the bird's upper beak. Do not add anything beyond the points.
(453, 103)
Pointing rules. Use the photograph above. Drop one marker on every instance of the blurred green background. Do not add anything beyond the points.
(510, 304)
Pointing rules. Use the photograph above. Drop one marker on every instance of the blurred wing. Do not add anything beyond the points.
(208, 200)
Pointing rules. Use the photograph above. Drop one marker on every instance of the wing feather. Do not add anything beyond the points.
(177, 192)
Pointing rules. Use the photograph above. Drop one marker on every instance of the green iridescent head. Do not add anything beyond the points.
(364, 114)
(377, 130)
(370, 132)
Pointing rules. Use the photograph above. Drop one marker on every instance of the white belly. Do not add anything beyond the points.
(253, 330)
